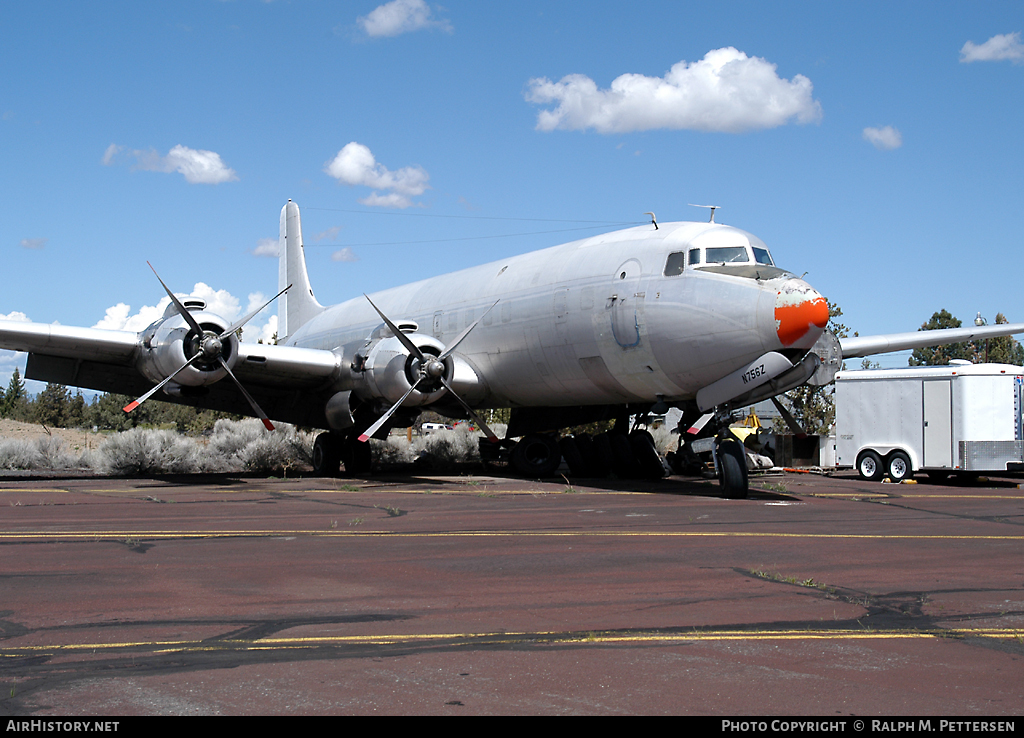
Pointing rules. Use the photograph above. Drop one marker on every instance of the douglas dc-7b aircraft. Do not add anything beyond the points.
(688, 315)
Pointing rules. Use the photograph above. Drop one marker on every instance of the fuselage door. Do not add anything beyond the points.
(626, 304)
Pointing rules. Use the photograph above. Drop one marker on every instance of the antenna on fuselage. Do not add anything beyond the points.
(713, 209)
(653, 220)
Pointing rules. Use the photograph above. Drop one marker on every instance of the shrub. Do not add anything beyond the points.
(247, 445)
(141, 452)
(47, 452)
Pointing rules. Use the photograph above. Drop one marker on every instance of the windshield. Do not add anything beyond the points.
(761, 256)
(727, 254)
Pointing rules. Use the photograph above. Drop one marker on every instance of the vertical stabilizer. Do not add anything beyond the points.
(298, 304)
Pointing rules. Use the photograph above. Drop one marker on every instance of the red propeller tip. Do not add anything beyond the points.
(130, 406)
(268, 424)
(364, 438)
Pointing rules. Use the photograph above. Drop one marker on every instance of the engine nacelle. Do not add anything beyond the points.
(170, 342)
(389, 370)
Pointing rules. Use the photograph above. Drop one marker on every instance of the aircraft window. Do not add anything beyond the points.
(694, 256)
(674, 265)
(727, 254)
(761, 256)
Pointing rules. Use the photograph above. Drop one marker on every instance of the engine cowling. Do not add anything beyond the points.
(390, 370)
(170, 342)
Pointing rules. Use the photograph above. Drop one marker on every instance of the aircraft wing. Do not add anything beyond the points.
(117, 347)
(281, 378)
(858, 346)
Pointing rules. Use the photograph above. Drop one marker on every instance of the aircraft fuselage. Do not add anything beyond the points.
(609, 319)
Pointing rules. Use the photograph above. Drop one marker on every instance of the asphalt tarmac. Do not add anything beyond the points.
(467, 595)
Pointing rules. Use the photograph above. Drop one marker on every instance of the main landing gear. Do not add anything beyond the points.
(628, 456)
(334, 448)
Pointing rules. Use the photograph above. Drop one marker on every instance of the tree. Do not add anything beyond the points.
(52, 405)
(15, 399)
(1005, 349)
(940, 355)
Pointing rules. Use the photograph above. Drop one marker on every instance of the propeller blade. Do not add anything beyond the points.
(192, 323)
(253, 314)
(472, 414)
(132, 405)
(256, 408)
(406, 341)
(449, 349)
(790, 420)
(368, 433)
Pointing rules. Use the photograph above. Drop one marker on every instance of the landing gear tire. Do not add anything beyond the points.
(602, 455)
(573, 457)
(357, 456)
(899, 466)
(327, 455)
(732, 463)
(869, 466)
(624, 461)
(536, 455)
(646, 454)
(593, 466)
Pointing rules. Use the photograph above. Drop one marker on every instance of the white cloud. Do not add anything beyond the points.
(267, 247)
(345, 254)
(997, 48)
(16, 315)
(356, 165)
(33, 243)
(220, 302)
(197, 165)
(725, 91)
(390, 200)
(884, 139)
(110, 153)
(329, 235)
(401, 16)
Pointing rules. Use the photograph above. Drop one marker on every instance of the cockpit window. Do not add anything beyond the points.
(761, 256)
(674, 265)
(727, 254)
(694, 256)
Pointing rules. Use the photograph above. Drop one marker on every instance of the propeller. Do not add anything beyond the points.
(430, 367)
(209, 347)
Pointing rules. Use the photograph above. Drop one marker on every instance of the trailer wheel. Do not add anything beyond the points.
(869, 465)
(899, 466)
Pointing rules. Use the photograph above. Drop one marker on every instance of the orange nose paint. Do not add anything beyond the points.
(794, 320)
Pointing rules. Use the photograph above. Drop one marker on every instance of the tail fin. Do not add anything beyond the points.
(298, 304)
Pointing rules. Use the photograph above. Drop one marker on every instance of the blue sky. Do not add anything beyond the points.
(875, 146)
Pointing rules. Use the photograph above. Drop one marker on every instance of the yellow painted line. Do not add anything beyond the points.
(172, 534)
(910, 496)
(579, 637)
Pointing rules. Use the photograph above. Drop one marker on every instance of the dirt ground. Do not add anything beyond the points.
(76, 438)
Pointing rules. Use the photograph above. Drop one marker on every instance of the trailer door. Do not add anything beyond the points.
(938, 424)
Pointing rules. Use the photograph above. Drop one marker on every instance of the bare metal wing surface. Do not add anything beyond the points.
(690, 315)
(858, 346)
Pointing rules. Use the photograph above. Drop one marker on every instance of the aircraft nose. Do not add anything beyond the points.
(801, 314)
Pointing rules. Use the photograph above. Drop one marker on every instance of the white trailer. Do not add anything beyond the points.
(960, 418)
